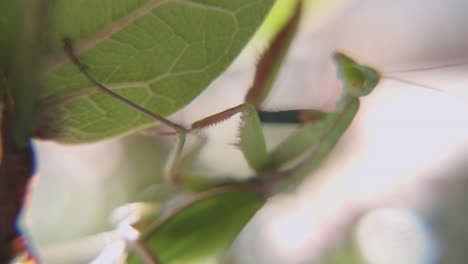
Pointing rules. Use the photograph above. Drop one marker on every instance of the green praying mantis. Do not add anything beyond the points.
(299, 153)
(311, 141)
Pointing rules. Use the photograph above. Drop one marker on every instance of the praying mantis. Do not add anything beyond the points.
(300, 153)
(312, 140)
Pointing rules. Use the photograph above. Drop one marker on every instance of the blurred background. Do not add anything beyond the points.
(394, 190)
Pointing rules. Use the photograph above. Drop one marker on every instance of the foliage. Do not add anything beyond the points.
(158, 54)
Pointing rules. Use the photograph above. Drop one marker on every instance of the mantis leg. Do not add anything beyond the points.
(71, 55)
(252, 142)
(290, 116)
(179, 130)
(188, 177)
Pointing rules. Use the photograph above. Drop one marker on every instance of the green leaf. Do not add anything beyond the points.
(160, 54)
(9, 18)
(204, 230)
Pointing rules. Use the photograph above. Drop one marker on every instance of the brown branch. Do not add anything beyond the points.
(16, 170)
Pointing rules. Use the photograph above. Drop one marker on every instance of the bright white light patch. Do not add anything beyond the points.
(111, 254)
(126, 231)
(395, 235)
(132, 213)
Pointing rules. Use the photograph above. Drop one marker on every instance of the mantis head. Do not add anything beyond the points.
(358, 80)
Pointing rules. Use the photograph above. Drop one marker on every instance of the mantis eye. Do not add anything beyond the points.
(358, 80)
